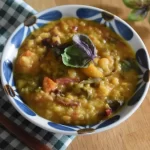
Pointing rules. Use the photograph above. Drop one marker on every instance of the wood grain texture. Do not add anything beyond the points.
(133, 134)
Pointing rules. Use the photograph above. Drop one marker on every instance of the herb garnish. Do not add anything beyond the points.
(80, 53)
(140, 9)
(128, 64)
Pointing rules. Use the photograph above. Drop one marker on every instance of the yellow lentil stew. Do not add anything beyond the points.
(75, 95)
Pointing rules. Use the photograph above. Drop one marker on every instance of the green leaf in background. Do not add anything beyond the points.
(138, 14)
(136, 4)
(75, 57)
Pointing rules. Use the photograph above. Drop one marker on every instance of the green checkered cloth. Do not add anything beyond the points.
(12, 13)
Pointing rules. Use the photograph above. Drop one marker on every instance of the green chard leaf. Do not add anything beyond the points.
(128, 64)
(80, 53)
(138, 14)
(136, 4)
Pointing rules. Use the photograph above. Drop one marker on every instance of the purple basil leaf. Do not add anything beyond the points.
(84, 43)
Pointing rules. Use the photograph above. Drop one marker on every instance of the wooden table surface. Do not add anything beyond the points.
(133, 134)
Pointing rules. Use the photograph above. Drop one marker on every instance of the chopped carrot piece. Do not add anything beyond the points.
(49, 85)
(28, 53)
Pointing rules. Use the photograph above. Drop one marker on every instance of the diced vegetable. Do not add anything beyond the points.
(49, 85)
(108, 111)
(92, 71)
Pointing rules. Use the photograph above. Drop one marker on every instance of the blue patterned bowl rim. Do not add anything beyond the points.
(57, 128)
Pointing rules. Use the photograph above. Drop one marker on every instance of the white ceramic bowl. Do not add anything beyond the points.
(79, 11)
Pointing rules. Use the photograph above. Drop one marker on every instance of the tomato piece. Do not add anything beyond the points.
(108, 111)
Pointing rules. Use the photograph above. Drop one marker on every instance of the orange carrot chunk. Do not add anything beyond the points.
(28, 53)
(49, 85)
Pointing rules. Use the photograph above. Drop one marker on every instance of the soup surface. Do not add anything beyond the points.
(76, 95)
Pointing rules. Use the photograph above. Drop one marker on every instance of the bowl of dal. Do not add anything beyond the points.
(75, 69)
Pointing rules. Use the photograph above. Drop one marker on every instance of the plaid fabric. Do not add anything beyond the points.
(12, 13)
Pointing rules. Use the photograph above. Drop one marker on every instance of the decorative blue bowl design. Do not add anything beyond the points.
(84, 12)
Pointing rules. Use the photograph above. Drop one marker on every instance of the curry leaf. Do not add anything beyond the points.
(136, 4)
(138, 14)
(80, 53)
